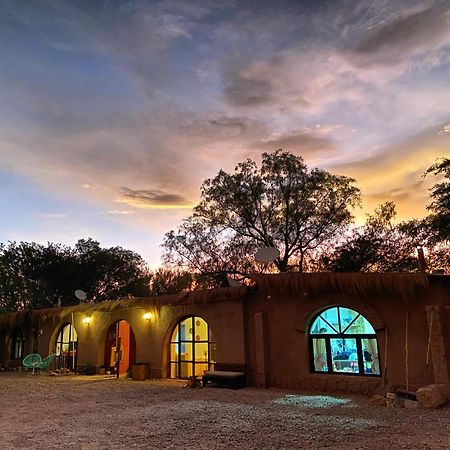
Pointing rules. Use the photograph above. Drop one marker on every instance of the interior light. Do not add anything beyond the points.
(147, 316)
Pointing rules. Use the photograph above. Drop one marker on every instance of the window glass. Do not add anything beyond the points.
(370, 356)
(331, 317)
(360, 326)
(201, 351)
(321, 327)
(201, 329)
(320, 355)
(200, 369)
(344, 355)
(174, 352)
(186, 352)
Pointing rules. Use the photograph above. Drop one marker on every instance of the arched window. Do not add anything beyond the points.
(192, 348)
(66, 347)
(343, 341)
(17, 344)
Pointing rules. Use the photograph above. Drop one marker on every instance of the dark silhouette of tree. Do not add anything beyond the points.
(36, 276)
(440, 195)
(378, 246)
(282, 205)
(166, 282)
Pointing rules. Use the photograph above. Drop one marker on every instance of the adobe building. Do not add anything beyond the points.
(357, 333)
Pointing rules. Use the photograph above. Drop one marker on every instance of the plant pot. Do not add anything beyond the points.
(139, 372)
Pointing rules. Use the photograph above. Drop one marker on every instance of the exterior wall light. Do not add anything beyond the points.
(86, 320)
(147, 316)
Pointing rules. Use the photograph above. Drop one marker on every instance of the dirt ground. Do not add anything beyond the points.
(80, 412)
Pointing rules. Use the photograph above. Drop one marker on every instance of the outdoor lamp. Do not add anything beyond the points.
(86, 320)
(147, 316)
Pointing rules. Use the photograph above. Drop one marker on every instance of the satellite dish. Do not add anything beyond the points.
(232, 282)
(267, 254)
(80, 295)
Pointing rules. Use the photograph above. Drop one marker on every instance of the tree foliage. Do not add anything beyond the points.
(36, 276)
(440, 195)
(378, 246)
(282, 205)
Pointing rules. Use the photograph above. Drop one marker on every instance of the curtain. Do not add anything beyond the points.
(320, 355)
(371, 346)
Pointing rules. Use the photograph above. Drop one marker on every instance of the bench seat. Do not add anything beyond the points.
(234, 380)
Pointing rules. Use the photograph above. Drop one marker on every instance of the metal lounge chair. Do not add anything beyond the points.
(44, 364)
(31, 361)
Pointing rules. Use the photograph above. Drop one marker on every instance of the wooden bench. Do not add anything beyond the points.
(224, 375)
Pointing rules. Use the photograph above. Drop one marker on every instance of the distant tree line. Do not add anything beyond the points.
(306, 214)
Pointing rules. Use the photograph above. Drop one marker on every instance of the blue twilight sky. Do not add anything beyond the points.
(112, 113)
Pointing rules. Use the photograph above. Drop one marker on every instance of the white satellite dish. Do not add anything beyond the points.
(80, 295)
(232, 282)
(267, 254)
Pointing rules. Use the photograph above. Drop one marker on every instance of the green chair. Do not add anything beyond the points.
(31, 361)
(45, 363)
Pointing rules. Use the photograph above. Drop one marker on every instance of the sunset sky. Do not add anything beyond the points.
(112, 113)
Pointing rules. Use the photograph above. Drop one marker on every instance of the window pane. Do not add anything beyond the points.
(321, 327)
(174, 352)
(173, 370)
(200, 369)
(371, 358)
(201, 329)
(331, 316)
(347, 316)
(186, 352)
(74, 336)
(66, 333)
(344, 355)
(186, 329)
(185, 370)
(360, 326)
(201, 351)
(320, 355)
(175, 335)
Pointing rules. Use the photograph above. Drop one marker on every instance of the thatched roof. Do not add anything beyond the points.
(359, 284)
(19, 318)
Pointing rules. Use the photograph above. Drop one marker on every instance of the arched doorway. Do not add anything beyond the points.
(66, 347)
(343, 341)
(192, 348)
(120, 348)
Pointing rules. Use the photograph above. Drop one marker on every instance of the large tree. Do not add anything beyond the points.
(35, 276)
(440, 195)
(282, 204)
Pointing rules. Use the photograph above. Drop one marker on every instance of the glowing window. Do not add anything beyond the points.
(343, 341)
(66, 347)
(192, 348)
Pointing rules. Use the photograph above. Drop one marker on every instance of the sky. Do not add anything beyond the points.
(112, 113)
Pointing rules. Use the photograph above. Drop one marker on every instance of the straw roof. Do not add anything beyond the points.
(20, 318)
(359, 284)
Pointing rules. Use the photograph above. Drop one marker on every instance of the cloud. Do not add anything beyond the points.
(299, 142)
(118, 212)
(153, 199)
(408, 35)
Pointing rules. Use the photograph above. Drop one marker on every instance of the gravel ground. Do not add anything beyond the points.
(79, 412)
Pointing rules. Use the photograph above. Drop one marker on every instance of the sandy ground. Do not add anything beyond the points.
(79, 412)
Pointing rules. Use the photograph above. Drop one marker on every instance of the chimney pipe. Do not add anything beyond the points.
(421, 260)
